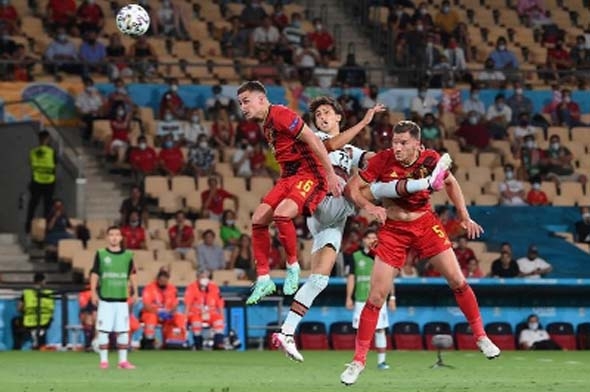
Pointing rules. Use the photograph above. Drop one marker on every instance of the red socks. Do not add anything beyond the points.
(261, 248)
(364, 335)
(468, 304)
(287, 236)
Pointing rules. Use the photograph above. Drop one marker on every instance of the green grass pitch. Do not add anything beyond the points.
(257, 371)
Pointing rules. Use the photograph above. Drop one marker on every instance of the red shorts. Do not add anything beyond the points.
(425, 235)
(307, 190)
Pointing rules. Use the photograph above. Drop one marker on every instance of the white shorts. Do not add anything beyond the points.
(382, 322)
(112, 316)
(326, 225)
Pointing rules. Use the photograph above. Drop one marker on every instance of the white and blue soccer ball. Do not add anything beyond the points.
(133, 20)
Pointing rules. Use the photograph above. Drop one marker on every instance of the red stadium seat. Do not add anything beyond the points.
(563, 334)
(583, 335)
(406, 336)
(464, 339)
(501, 334)
(342, 335)
(312, 336)
(435, 328)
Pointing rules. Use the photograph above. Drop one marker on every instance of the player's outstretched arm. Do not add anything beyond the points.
(318, 148)
(453, 189)
(343, 138)
(355, 194)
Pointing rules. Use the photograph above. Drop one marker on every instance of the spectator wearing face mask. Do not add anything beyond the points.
(532, 158)
(473, 103)
(89, 16)
(228, 232)
(133, 232)
(490, 77)
(143, 159)
(533, 266)
(169, 125)
(431, 133)
(521, 130)
(473, 134)
(201, 159)
(533, 337)
(580, 56)
(223, 133)
(212, 200)
(117, 98)
(557, 161)
(89, 104)
(60, 14)
(181, 235)
(567, 112)
(558, 62)
(170, 157)
(172, 103)
(423, 103)
(519, 103)
(511, 190)
(422, 16)
(193, 129)
(293, 33)
(321, 39)
(582, 227)
(92, 54)
(121, 128)
(498, 116)
(536, 196)
(503, 58)
(241, 160)
(447, 21)
(9, 18)
(220, 103)
(62, 55)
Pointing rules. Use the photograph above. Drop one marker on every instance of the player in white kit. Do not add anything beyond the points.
(327, 223)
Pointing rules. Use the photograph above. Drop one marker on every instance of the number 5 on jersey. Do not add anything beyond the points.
(304, 187)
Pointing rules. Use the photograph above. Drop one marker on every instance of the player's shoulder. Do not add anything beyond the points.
(428, 157)
(280, 110)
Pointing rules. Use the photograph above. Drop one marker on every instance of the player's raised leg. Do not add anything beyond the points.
(261, 249)
(283, 217)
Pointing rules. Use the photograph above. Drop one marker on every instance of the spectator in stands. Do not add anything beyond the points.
(234, 41)
(264, 37)
(143, 159)
(87, 316)
(89, 104)
(557, 161)
(350, 103)
(324, 75)
(305, 58)
(181, 235)
(398, 19)
(422, 16)
(118, 97)
(279, 18)
(450, 101)
(223, 134)
(169, 21)
(220, 103)
(558, 62)
(473, 135)
(536, 195)
(120, 128)
(530, 11)
(201, 158)
(209, 254)
(134, 203)
(499, 116)
(450, 223)
(92, 53)
(172, 102)
(228, 231)
(62, 55)
(490, 77)
(133, 232)
(522, 129)
(205, 309)
(580, 56)
(252, 14)
(432, 55)
(382, 132)
(532, 266)
(116, 58)
(212, 200)
(351, 73)
(505, 266)
(61, 13)
(511, 189)
(408, 270)
(504, 59)
(194, 128)
(532, 158)
(143, 57)
(160, 307)
(9, 18)
(457, 62)
(423, 103)
(431, 132)
(446, 20)
(249, 132)
(472, 270)
(519, 103)
(22, 68)
(463, 252)
(568, 112)
(171, 157)
(321, 39)
(89, 16)
(58, 226)
(241, 259)
(533, 337)
(168, 125)
(474, 103)
(241, 160)
(293, 33)
(582, 227)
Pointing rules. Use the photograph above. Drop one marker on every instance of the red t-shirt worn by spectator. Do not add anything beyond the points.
(172, 102)
(280, 20)
(172, 159)
(133, 236)
(216, 204)
(250, 131)
(322, 40)
(90, 13)
(62, 10)
(120, 130)
(145, 161)
(463, 256)
(185, 235)
(475, 135)
(257, 161)
(8, 14)
(536, 198)
(558, 54)
(224, 133)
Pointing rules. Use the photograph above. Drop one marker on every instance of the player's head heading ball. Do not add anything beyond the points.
(326, 113)
(252, 100)
(406, 142)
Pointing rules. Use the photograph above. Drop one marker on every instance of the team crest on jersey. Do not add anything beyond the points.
(362, 263)
(107, 260)
(393, 174)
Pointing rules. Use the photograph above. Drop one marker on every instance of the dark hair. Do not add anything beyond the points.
(499, 96)
(163, 273)
(179, 212)
(38, 277)
(43, 135)
(113, 227)
(325, 100)
(252, 85)
(407, 126)
(369, 232)
(207, 232)
(225, 213)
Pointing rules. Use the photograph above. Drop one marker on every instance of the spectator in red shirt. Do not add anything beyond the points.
(279, 19)
(322, 39)
(257, 161)
(143, 159)
(450, 223)
(567, 112)
(171, 158)
(463, 252)
(118, 97)
(472, 270)
(223, 133)
(182, 235)
(249, 131)
(473, 134)
(172, 103)
(121, 127)
(9, 18)
(558, 61)
(213, 198)
(133, 232)
(61, 13)
(90, 17)
(536, 196)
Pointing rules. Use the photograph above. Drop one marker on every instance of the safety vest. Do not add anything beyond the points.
(42, 161)
(30, 301)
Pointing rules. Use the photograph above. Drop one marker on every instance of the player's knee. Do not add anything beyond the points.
(377, 297)
(319, 282)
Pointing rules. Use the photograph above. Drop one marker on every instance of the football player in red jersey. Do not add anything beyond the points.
(409, 222)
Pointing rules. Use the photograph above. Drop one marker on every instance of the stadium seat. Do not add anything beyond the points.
(434, 328)
(549, 188)
(97, 227)
(67, 248)
(182, 273)
(583, 336)
(83, 260)
(479, 175)
(235, 185)
(501, 334)
(573, 190)
(38, 229)
(406, 336)
(563, 201)
(342, 335)
(563, 334)
(464, 160)
(169, 202)
(193, 202)
(488, 159)
(463, 336)
(156, 244)
(183, 185)
(312, 336)
(202, 225)
(562, 132)
(581, 135)
(167, 255)
(155, 186)
(485, 200)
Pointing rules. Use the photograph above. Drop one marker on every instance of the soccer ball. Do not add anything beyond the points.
(133, 20)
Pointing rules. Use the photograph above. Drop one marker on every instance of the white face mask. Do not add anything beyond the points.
(534, 326)
(555, 146)
(586, 215)
(230, 222)
(536, 186)
(509, 175)
(174, 87)
(195, 119)
(204, 282)
(501, 47)
(518, 91)
(530, 144)
(203, 144)
(475, 96)
(472, 120)
(419, 28)
(567, 99)
(168, 117)
(142, 146)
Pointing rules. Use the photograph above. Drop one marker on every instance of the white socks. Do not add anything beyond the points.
(123, 340)
(380, 343)
(303, 300)
(103, 340)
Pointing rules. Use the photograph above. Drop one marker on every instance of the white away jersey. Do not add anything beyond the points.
(346, 157)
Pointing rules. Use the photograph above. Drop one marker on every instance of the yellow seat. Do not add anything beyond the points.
(169, 202)
(143, 258)
(156, 186)
(183, 185)
(479, 175)
(572, 190)
(166, 255)
(562, 132)
(101, 131)
(193, 202)
(156, 244)
(581, 135)
(549, 188)
(67, 248)
(563, 201)
(464, 160)
(202, 225)
(38, 226)
(97, 227)
(83, 260)
(489, 159)
(236, 185)
(182, 273)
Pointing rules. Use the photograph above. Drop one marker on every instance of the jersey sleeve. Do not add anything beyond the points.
(356, 154)
(431, 158)
(96, 266)
(287, 121)
(375, 167)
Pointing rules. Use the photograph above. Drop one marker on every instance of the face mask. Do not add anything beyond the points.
(423, 11)
(142, 146)
(534, 326)
(399, 12)
(581, 46)
(90, 1)
(567, 99)
(168, 144)
(509, 175)
(195, 119)
(204, 282)
(499, 106)
(472, 120)
(529, 144)
(555, 146)
(518, 91)
(319, 27)
(120, 113)
(430, 44)
(62, 37)
(536, 186)
(445, 9)
(203, 144)
(230, 222)
(296, 23)
(174, 87)
(586, 216)
(419, 28)
(501, 47)
(90, 89)
(134, 223)
(168, 117)
(122, 90)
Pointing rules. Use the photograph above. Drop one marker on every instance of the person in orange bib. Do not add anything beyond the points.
(204, 309)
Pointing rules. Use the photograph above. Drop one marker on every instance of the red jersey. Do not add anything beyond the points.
(8, 13)
(463, 256)
(250, 131)
(120, 130)
(537, 198)
(90, 13)
(62, 10)
(145, 161)
(133, 236)
(282, 128)
(216, 204)
(186, 235)
(172, 159)
(384, 167)
(322, 40)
